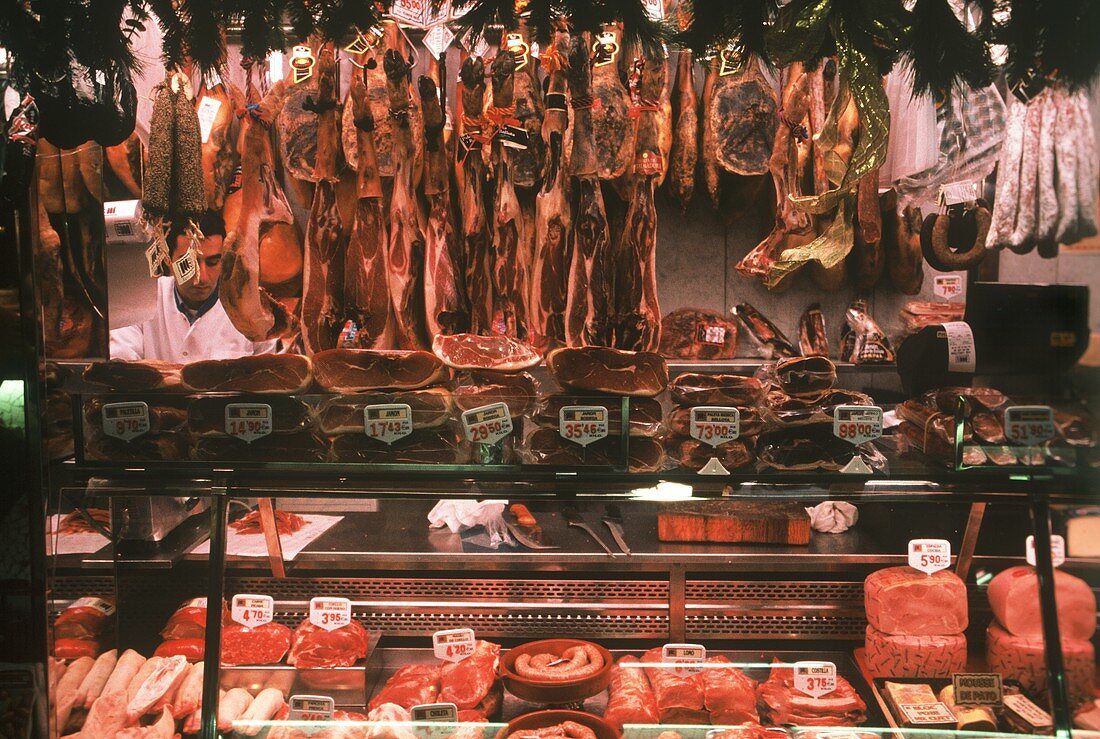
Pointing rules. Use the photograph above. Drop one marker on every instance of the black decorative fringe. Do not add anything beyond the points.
(713, 24)
(943, 53)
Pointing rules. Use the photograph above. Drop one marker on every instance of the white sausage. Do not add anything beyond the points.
(128, 665)
(189, 696)
(232, 706)
(264, 708)
(67, 688)
(96, 679)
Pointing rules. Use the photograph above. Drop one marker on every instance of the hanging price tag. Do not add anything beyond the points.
(815, 679)
(154, 256)
(605, 49)
(1028, 425)
(248, 421)
(960, 347)
(446, 713)
(208, 111)
(329, 613)
(688, 658)
(956, 193)
(453, 645)
(857, 423)
(311, 708)
(582, 424)
(714, 425)
(252, 610)
(978, 688)
(302, 62)
(487, 424)
(1057, 550)
(388, 422)
(438, 39)
(186, 267)
(929, 555)
(127, 420)
(947, 287)
(655, 9)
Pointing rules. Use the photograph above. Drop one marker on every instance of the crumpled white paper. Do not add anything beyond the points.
(833, 516)
(460, 515)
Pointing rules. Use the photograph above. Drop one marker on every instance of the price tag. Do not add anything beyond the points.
(311, 708)
(605, 49)
(655, 9)
(687, 657)
(438, 39)
(388, 422)
(208, 112)
(195, 603)
(302, 62)
(96, 603)
(520, 50)
(453, 645)
(582, 424)
(713, 335)
(955, 193)
(857, 423)
(487, 424)
(442, 712)
(927, 713)
(714, 425)
(127, 420)
(329, 613)
(815, 679)
(248, 421)
(1057, 550)
(154, 256)
(978, 688)
(960, 347)
(252, 610)
(1028, 425)
(929, 555)
(186, 267)
(947, 286)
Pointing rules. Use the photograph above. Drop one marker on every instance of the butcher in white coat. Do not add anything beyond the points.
(189, 322)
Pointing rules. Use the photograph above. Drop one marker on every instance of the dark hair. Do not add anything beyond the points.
(211, 224)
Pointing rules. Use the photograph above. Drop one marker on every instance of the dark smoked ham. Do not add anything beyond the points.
(343, 414)
(264, 373)
(611, 121)
(606, 370)
(685, 134)
(476, 230)
(219, 150)
(297, 125)
(517, 391)
(692, 333)
(143, 374)
(526, 164)
(360, 370)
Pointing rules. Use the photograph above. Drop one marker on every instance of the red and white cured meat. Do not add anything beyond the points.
(161, 682)
(782, 704)
(890, 655)
(1014, 598)
(469, 682)
(631, 699)
(904, 601)
(1023, 658)
(313, 646)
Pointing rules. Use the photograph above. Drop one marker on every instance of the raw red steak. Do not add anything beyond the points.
(263, 645)
(679, 697)
(889, 655)
(473, 352)
(314, 647)
(782, 704)
(903, 601)
(728, 693)
(412, 685)
(468, 682)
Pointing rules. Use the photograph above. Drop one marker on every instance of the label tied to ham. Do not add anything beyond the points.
(929, 555)
(926, 713)
(1057, 550)
(687, 658)
(960, 347)
(947, 286)
(252, 610)
(302, 62)
(453, 645)
(655, 9)
(311, 708)
(248, 421)
(208, 112)
(438, 39)
(186, 267)
(959, 193)
(713, 335)
(329, 613)
(815, 679)
(387, 422)
(1028, 425)
(98, 604)
(857, 423)
(155, 256)
(127, 420)
(582, 424)
(978, 688)
(605, 50)
(487, 424)
(714, 425)
(514, 43)
(435, 712)
(732, 59)
(364, 42)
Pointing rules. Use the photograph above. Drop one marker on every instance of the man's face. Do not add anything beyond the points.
(196, 290)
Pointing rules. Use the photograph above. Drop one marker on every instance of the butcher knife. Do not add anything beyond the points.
(613, 519)
(573, 518)
(526, 529)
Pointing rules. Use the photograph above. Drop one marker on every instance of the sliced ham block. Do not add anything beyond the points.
(906, 602)
(1014, 598)
(359, 370)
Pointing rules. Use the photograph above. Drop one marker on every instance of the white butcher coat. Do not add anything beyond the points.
(170, 337)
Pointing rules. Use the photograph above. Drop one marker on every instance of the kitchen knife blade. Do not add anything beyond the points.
(613, 519)
(532, 537)
(573, 518)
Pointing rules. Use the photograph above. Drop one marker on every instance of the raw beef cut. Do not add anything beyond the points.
(606, 370)
(517, 391)
(630, 699)
(425, 446)
(907, 602)
(411, 685)
(473, 352)
(611, 121)
(359, 370)
(474, 194)
(728, 693)
(679, 697)
(468, 682)
(891, 655)
(685, 134)
(693, 333)
(1022, 658)
(782, 704)
(192, 649)
(206, 416)
(312, 646)
(1014, 598)
(691, 388)
(135, 376)
(264, 373)
(262, 645)
(343, 414)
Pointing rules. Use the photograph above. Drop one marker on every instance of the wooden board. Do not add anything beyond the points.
(734, 522)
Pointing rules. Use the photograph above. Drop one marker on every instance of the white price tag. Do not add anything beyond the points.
(311, 708)
(815, 679)
(1028, 425)
(446, 713)
(655, 9)
(96, 603)
(487, 424)
(929, 555)
(960, 347)
(954, 193)
(329, 613)
(453, 645)
(248, 421)
(208, 111)
(252, 610)
(275, 66)
(410, 12)
(714, 425)
(127, 420)
(154, 256)
(438, 39)
(195, 603)
(948, 287)
(388, 422)
(186, 267)
(857, 423)
(582, 424)
(687, 657)
(1057, 550)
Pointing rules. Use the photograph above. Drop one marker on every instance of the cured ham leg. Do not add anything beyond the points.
(685, 134)
(527, 164)
(613, 131)
(219, 153)
(476, 235)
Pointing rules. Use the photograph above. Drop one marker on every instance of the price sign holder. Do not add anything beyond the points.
(453, 645)
(248, 421)
(929, 555)
(858, 424)
(487, 424)
(387, 422)
(435, 712)
(688, 658)
(127, 420)
(1029, 425)
(1057, 550)
(978, 688)
(948, 287)
(311, 708)
(714, 425)
(329, 613)
(252, 610)
(583, 424)
(815, 679)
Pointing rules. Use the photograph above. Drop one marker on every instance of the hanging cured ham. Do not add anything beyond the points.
(612, 127)
(476, 233)
(216, 107)
(527, 163)
(685, 133)
(296, 127)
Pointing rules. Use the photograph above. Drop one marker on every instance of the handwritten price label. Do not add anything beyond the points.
(857, 423)
(1057, 550)
(929, 555)
(388, 422)
(1028, 425)
(947, 286)
(815, 679)
(441, 712)
(126, 421)
(252, 610)
(311, 708)
(330, 613)
(248, 421)
(688, 658)
(582, 424)
(487, 424)
(453, 645)
(715, 425)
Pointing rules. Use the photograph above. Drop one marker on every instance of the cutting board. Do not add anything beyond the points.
(727, 521)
